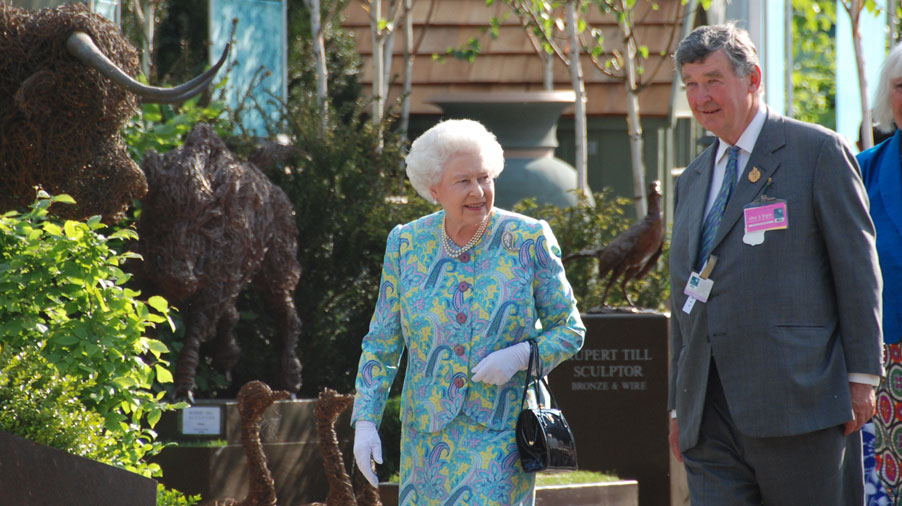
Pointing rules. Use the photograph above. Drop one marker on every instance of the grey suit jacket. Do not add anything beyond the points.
(788, 319)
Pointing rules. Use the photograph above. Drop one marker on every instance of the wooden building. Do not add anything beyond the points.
(510, 63)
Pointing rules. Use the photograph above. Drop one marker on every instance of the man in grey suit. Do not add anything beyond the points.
(775, 336)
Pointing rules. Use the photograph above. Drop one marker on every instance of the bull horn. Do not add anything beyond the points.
(82, 47)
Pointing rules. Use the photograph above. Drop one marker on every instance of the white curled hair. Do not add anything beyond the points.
(432, 150)
(882, 108)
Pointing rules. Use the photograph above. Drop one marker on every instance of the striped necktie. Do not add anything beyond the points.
(712, 219)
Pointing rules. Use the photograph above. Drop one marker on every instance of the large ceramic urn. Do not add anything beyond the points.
(525, 124)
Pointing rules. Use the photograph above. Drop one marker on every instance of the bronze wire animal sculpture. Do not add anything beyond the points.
(209, 226)
(65, 94)
(632, 253)
(329, 405)
(254, 398)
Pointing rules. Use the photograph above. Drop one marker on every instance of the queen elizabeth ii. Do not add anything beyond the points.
(463, 290)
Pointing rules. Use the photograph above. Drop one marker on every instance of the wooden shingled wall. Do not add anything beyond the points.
(509, 63)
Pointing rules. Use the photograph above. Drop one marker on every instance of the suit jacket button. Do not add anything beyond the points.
(459, 350)
(463, 286)
(461, 318)
(459, 382)
(464, 257)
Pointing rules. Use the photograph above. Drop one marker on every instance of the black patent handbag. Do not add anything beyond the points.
(544, 439)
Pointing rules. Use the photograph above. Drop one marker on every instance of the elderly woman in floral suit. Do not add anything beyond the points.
(462, 289)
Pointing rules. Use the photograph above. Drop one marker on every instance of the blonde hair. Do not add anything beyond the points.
(882, 109)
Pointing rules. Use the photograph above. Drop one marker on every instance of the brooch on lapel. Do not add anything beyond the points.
(508, 241)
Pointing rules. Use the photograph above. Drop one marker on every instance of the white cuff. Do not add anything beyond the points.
(867, 379)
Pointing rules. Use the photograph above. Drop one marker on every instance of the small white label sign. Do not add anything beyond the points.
(201, 420)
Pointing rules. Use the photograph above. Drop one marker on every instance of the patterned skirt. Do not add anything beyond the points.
(888, 426)
(463, 464)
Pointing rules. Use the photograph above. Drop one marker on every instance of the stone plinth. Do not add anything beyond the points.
(290, 442)
(37, 475)
(614, 395)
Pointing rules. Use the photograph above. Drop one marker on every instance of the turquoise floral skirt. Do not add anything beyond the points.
(463, 464)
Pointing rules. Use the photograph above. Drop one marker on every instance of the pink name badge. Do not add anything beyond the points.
(760, 218)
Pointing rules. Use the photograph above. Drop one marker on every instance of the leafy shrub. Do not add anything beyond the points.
(77, 370)
(39, 404)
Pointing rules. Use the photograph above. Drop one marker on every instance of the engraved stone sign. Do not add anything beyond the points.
(614, 395)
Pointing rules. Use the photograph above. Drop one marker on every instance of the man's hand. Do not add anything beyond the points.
(675, 439)
(864, 404)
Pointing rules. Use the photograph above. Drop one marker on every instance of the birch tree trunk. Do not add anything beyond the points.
(634, 126)
(548, 71)
(146, 12)
(319, 52)
(388, 50)
(579, 109)
(378, 61)
(408, 68)
(867, 134)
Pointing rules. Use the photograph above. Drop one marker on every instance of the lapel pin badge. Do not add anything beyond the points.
(754, 175)
(509, 241)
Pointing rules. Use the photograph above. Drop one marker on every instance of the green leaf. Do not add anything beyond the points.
(63, 198)
(65, 340)
(158, 303)
(125, 233)
(163, 374)
(154, 416)
(73, 229)
(124, 382)
(155, 346)
(52, 228)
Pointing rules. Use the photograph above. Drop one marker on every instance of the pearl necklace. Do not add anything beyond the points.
(454, 252)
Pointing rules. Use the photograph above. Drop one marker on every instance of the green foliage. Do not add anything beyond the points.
(39, 404)
(162, 127)
(343, 62)
(74, 356)
(584, 226)
(467, 52)
(814, 61)
(167, 497)
(181, 39)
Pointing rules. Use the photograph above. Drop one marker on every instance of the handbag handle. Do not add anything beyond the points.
(535, 364)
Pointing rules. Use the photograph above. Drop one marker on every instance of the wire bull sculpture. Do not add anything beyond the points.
(210, 226)
(66, 91)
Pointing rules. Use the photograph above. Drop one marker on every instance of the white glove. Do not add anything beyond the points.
(366, 445)
(498, 367)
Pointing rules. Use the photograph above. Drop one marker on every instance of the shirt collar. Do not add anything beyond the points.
(749, 136)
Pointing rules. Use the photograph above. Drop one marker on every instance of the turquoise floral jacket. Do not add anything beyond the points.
(450, 313)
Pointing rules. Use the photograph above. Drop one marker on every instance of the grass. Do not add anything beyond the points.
(201, 443)
(572, 478)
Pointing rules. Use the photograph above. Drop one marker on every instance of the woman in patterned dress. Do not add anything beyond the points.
(881, 169)
(462, 290)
